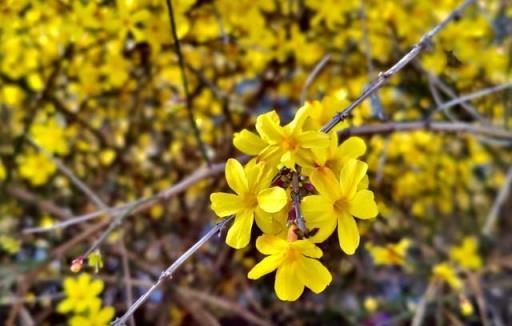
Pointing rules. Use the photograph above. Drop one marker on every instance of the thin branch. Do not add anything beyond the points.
(492, 217)
(127, 277)
(170, 270)
(188, 100)
(142, 203)
(384, 76)
(312, 76)
(449, 127)
(472, 96)
(421, 309)
(72, 177)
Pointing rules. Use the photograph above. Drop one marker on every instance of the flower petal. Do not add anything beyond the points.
(350, 176)
(248, 142)
(268, 126)
(353, 147)
(326, 183)
(235, 175)
(313, 274)
(271, 223)
(271, 200)
(267, 265)
(224, 204)
(363, 205)
(348, 233)
(287, 285)
(313, 139)
(106, 314)
(271, 245)
(239, 234)
(307, 248)
(319, 213)
(95, 287)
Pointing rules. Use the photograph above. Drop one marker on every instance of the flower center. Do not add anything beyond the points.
(289, 144)
(340, 205)
(250, 201)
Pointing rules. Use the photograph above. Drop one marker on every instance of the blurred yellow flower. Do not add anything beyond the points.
(253, 198)
(51, 136)
(466, 255)
(36, 168)
(296, 266)
(81, 294)
(391, 254)
(447, 273)
(94, 317)
(3, 173)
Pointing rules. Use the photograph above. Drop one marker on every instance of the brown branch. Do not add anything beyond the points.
(492, 217)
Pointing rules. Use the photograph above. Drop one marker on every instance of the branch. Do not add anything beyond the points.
(492, 218)
(170, 271)
(451, 127)
(184, 80)
(469, 97)
(140, 204)
(384, 76)
(312, 76)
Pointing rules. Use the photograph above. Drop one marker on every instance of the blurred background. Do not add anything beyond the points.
(94, 115)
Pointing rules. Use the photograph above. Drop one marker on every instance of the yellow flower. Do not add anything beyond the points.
(391, 254)
(296, 266)
(95, 317)
(466, 255)
(81, 294)
(286, 145)
(51, 136)
(321, 112)
(334, 156)
(448, 274)
(36, 167)
(3, 173)
(338, 201)
(253, 198)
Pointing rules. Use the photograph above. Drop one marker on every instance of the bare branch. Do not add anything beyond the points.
(384, 76)
(492, 218)
(312, 76)
(170, 270)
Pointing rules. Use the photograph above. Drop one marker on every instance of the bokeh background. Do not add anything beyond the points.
(93, 90)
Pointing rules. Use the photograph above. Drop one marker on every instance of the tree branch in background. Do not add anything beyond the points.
(188, 99)
(384, 76)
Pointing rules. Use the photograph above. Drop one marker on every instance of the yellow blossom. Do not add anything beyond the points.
(296, 263)
(447, 273)
(94, 317)
(3, 173)
(81, 294)
(36, 168)
(391, 254)
(253, 200)
(466, 255)
(51, 136)
(276, 144)
(338, 201)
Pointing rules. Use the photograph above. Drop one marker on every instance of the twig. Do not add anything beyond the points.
(141, 203)
(452, 127)
(188, 100)
(127, 277)
(384, 76)
(170, 270)
(419, 315)
(436, 81)
(72, 177)
(472, 96)
(312, 76)
(492, 217)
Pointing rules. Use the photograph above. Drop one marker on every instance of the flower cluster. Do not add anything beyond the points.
(299, 188)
